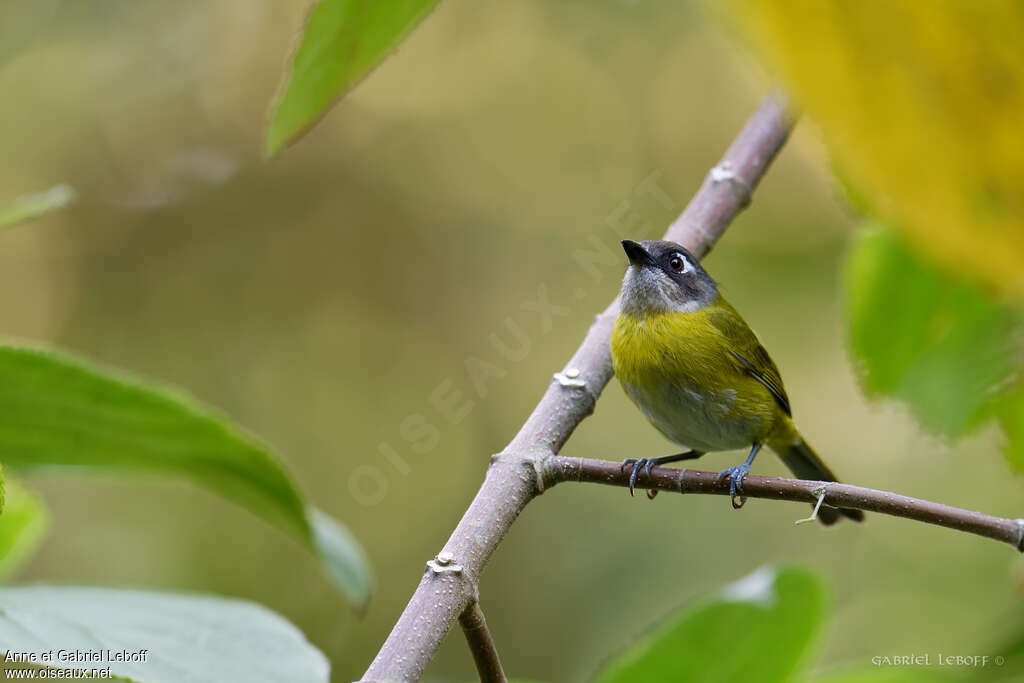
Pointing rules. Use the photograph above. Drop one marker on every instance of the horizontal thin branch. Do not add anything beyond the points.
(481, 644)
(561, 468)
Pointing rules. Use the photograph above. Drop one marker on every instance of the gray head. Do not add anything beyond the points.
(663, 276)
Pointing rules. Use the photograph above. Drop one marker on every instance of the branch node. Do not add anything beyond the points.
(569, 378)
(538, 463)
(1020, 534)
(444, 563)
(820, 493)
(724, 173)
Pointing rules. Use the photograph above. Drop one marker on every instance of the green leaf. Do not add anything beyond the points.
(185, 638)
(343, 557)
(926, 337)
(344, 40)
(59, 411)
(1011, 419)
(732, 637)
(888, 673)
(22, 526)
(34, 206)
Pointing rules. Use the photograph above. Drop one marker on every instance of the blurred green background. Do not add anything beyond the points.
(321, 298)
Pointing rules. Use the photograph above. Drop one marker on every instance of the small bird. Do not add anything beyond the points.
(697, 371)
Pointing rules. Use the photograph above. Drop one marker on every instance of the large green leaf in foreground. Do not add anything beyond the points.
(757, 629)
(344, 40)
(184, 638)
(58, 411)
(22, 525)
(929, 338)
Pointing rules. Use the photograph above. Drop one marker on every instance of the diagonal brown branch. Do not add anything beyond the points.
(561, 468)
(516, 474)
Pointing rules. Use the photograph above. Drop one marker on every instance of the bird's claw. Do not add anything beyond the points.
(638, 463)
(735, 475)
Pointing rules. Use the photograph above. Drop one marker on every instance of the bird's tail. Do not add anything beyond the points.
(804, 463)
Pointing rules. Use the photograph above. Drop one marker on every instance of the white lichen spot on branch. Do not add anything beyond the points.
(569, 378)
(724, 173)
(444, 563)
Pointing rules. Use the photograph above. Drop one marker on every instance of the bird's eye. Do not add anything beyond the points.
(677, 262)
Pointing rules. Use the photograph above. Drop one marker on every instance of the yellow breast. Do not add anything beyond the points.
(677, 368)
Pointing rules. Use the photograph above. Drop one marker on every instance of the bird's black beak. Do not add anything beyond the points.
(638, 256)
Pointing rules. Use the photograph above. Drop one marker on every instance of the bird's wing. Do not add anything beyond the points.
(747, 352)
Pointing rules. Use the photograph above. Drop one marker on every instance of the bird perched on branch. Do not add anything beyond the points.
(697, 371)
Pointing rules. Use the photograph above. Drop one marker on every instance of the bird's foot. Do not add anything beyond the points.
(647, 463)
(638, 463)
(735, 475)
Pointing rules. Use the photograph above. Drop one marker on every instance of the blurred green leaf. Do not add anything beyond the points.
(925, 336)
(22, 524)
(34, 206)
(59, 411)
(343, 556)
(888, 674)
(732, 637)
(1007, 664)
(1011, 419)
(193, 638)
(344, 40)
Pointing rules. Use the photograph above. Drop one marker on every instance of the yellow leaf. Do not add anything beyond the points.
(922, 104)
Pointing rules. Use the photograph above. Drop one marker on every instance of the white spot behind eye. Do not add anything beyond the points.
(687, 266)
